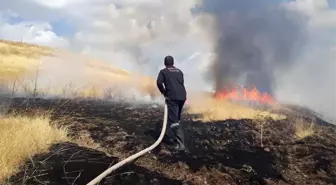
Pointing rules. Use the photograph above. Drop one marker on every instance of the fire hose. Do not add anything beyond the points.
(134, 156)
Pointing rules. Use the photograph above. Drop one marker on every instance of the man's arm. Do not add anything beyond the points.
(159, 83)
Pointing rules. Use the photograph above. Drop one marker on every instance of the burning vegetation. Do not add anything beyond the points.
(245, 94)
(251, 47)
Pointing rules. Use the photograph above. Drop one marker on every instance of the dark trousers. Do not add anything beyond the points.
(174, 116)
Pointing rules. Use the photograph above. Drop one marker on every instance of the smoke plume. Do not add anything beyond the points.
(253, 41)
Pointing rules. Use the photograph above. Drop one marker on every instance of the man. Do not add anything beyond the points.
(170, 82)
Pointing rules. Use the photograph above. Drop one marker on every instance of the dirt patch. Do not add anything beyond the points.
(222, 152)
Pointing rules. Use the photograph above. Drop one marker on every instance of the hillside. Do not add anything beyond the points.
(19, 59)
(65, 120)
(231, 151)
(55, 70)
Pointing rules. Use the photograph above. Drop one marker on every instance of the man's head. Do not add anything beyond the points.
(169, 61)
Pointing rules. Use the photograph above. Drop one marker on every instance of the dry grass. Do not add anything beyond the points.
(21, 64)
(304, 129)
(19, 59)
(86, 140)
(215, 110)
(22, 137)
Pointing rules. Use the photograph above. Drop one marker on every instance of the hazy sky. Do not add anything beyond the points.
(137, 34)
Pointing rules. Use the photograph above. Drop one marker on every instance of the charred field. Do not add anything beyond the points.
(220, 152)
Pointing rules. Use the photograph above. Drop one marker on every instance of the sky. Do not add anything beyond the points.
(138, 34)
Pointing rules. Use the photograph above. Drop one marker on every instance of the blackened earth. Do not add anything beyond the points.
(220, 153)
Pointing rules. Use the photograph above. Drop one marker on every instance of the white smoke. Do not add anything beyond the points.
(137, 35)
(311, 81)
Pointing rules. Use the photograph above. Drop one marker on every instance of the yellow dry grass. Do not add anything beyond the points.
(215, 110)
(20, 63)
(17, 59)
(22, 137)
(303, 129)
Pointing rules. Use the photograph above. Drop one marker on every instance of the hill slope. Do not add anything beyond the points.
(234, 151)
(54, 70)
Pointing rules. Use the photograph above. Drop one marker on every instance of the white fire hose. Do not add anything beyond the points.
(132, 157)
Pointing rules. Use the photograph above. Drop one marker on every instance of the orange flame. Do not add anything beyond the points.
(245, 95)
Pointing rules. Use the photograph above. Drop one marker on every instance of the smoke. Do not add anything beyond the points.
(252, 41)
(311, 82)
(83, 77)
(259, 42)
(283, 49)
(5, 100)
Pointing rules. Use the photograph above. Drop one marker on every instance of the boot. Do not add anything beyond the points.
(179, 137)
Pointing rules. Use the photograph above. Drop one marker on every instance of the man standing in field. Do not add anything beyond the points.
(170, 82)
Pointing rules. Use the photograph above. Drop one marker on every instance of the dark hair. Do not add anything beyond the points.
(169, 61)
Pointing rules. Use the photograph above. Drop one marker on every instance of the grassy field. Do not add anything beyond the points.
(229, 151)
(25, 67)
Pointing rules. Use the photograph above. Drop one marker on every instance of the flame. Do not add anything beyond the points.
(245, 94)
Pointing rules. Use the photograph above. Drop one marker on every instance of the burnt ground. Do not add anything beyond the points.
(223, 152)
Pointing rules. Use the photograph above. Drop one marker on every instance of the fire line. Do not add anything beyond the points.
(245, 94)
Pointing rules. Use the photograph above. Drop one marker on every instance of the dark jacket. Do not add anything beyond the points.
(173, 81)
